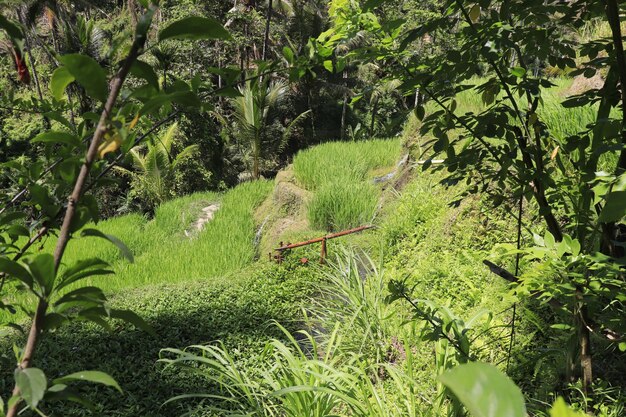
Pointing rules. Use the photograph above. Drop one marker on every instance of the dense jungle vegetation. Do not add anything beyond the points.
(154, 154)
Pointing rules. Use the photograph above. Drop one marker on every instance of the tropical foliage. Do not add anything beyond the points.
(497, 211)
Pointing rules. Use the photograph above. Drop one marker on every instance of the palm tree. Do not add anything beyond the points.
(251, 111)
(152, 177)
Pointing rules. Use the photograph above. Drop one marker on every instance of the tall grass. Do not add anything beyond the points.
(344, 161)
(339, 173)
(338, 205)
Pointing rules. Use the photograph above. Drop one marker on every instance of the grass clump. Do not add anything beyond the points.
(338, 206)
(344, 161)
(338, 174)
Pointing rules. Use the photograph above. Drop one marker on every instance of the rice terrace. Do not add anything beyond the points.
(307, 208)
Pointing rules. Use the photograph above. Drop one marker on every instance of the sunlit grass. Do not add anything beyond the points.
(561, 122)
(344, 161)
(162, 251)
(339, 174)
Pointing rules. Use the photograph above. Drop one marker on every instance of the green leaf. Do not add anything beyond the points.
(474, 13)
(328, 64)
(16, 270)
(88, 73)
(32, 384)
(59, 81)
(615, 207)
(519, 72)
(485, 391)
(57, 137)
(194, 27)
(420, 112)
(82, 269)
(11, 28)
(288, 54)
(561, 409)
(132, 318)
(43, 271)
(91, 376)
(120, 245)
(145, 71)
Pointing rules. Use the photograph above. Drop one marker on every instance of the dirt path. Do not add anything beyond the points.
(206, 216)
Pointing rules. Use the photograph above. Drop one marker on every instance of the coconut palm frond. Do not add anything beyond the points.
(188, 152)
(290, 126)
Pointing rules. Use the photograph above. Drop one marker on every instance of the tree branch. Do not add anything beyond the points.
(74, 198)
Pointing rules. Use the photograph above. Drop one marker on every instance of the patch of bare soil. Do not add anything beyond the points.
(582, 84)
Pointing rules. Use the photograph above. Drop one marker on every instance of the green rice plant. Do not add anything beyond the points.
(344, 161)
(226, 244)
(339, 205)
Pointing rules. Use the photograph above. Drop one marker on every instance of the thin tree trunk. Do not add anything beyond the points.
(373, 121)
(585, 350)
(256, 156)
(310, 104)
(64, 233)
(344, 107)
(32, 63)
(266, 38)
(132, 11)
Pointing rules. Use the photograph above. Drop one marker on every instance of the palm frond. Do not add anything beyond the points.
(188, 152)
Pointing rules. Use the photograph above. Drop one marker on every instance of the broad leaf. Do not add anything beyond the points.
(11, 28)
(561, 409)
(485, 391)
(518, 72)
(57, 137)
(16, 270)
(120, 245)
(615, 207)
(83, 269)
(43, 271)
(59, 81)
(194, 27)
(32, 384)
(88, 73)
(144, 71)
(91, 376)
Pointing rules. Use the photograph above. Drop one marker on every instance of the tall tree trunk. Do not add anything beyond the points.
(130, 4)
(256, 156)
(373, 121)
(344, 107)
(310, 104)
(266, 37)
